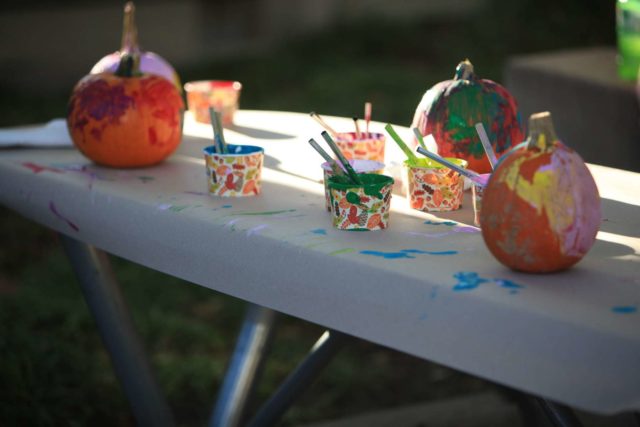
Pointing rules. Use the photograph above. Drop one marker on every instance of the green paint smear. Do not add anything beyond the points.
(264, 212)
(178, 208)
(342, 251)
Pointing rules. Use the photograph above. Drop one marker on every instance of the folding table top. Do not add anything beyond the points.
(426, 286)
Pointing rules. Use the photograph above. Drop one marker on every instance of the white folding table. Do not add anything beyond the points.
(426, 286)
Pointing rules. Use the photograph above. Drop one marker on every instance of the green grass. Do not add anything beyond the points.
(53, 368)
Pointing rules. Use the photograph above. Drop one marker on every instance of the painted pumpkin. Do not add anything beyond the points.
(149, 62)
(450, 110)
(125, 119)
(541, 207)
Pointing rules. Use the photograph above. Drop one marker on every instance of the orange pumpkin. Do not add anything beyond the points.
(125, 119)
(541, 208)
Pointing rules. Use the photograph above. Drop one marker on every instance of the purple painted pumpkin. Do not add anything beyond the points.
(450, 110)
(150, 63)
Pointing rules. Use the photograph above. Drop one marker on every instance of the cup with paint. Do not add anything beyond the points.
(432, 187)
(477, 191)
(223, 95)
(236, 173)
(232, 170)
(361, 145)
(359, 165)
(364, 206)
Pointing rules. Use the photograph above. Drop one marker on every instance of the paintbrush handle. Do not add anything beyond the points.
(334, 166)
(322, 123)
(347, 166)
(464, 172)
(218, 132)
(418, 135)
(486, 144)
(400, 142)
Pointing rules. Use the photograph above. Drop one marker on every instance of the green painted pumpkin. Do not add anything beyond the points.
(450, 110)
(541, 208)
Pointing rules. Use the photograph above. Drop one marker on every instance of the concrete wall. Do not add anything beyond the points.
(49, 48)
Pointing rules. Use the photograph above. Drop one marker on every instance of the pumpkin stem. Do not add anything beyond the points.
(129, 29)
(542, 133)
(464, 71)
(129, 65)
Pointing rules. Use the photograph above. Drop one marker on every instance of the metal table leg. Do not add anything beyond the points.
(104, 298)
(249, 353)
(305, 373)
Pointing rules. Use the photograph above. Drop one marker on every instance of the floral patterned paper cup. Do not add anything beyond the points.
(433, 187)
(360, 166)
(360, 207)
(222, 95)
(477, 192)
(236, 173)
(370, 146)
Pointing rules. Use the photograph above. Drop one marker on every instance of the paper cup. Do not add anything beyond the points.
(234, 174)
(222, 95)
(370, 146)
(477, 192)
(432, 187)
(360, 207)
(360, 166)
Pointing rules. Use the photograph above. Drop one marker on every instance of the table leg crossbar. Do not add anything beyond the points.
(300, 379)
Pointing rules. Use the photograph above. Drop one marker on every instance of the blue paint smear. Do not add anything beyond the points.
(624, 309)
(508, 284)
(387, 255)
(227, 206)
(320, 231)
(467, 281)
(418, 251)
(406, 253)
(448, 223)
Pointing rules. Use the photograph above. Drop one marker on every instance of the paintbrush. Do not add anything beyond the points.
(218, 133)
(367, 117)
(322, 123)
(337, 170)
(418, 135)
(345, 163)
(355, 122)
(486, 144)
(410, 155)
(464, 172)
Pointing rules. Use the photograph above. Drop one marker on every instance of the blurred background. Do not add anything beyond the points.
(328, 56)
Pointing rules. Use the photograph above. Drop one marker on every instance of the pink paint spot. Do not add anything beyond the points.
(52, 208)
(35, 168)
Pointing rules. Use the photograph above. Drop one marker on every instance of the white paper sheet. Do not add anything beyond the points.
(51, 134)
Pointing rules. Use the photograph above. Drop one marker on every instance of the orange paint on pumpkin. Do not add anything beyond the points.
(125, 121)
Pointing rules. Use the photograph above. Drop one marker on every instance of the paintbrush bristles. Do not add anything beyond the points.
(322, 123)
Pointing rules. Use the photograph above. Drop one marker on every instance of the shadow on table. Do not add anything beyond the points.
(259, 133)
(620, 218)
